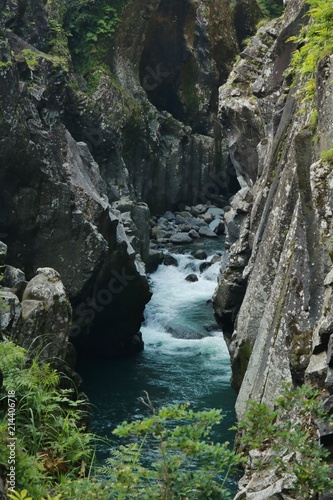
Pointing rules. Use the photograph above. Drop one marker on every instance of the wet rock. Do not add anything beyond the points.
(170, 260)
(154, 260)
(204, 266)
(181, 332)
(207, 232)
(192, 278)
(180, 239)
(199, 254)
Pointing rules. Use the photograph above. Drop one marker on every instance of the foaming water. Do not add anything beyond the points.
(185, 357)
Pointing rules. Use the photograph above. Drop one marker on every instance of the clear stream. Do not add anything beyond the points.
(171, 370)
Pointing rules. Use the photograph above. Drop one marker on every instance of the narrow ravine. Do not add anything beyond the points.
(185, 358)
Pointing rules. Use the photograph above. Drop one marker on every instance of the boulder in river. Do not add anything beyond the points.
(192, 278)
(194, 234)
(169, 260)
(181, 238)
(204, 265)
(181, 332)
(199, 254)
(217, 226)
(207, 232)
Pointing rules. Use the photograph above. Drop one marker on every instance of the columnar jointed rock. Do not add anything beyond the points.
(274, 301)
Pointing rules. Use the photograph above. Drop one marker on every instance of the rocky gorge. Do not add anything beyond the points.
(173, 142)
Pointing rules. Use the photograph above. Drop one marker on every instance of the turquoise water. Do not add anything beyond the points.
(171, 370)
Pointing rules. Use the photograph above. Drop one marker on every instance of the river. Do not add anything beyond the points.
(194, 368)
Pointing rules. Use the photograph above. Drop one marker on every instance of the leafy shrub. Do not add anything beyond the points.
(51, 441)
(313, 43)
(184, 462)
(289, 429)
(271, 8)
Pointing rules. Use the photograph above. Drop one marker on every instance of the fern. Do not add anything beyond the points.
(313, 44)
(271, 8)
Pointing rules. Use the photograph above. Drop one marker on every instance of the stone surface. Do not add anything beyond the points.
(207, 232)
(191, 278)
(3, 253)
(11, 276)
(180, 239)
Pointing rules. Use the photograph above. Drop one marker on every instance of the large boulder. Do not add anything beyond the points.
(45, 317)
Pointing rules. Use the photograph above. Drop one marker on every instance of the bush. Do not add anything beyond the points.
(51, 441)
(289, 429)
(183, 460)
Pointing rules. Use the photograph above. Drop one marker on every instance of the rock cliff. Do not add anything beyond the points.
(274, 301)
(91, 134)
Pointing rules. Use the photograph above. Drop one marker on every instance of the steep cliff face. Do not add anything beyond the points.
(279, 323)
(80, 160)
(54, 207)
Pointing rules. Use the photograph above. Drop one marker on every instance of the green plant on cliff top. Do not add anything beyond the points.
(327, 155)
(288, 430)
(314, 42)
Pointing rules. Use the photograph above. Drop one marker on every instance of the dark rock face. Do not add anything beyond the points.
(78, 166)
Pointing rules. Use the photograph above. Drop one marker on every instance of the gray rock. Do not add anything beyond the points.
(194, 234)
(46, 316)
(170, 260)
(10, 312)
(169, 216)
(180, 238)
(199, 209)
(154, 260)
(12, 275)
(217, 226)
(3, 253)
(192, 278)
(204, 266)
(207, 217)
(207, 232)
(216, 212)
(197, 223)
(199, 254)
(180, 220)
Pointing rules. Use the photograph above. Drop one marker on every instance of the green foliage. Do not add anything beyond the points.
(51, 441)
(271, 8)
(327, 155)
(185, 463)
(314, 43)
(289, 429)
(90, 26)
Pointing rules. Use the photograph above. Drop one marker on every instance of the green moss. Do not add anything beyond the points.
(313, 119)
(34, 59)
(244, 354)
(327, 155)
(5, 65)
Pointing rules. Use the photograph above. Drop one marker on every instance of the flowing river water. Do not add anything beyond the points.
(185, 358)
